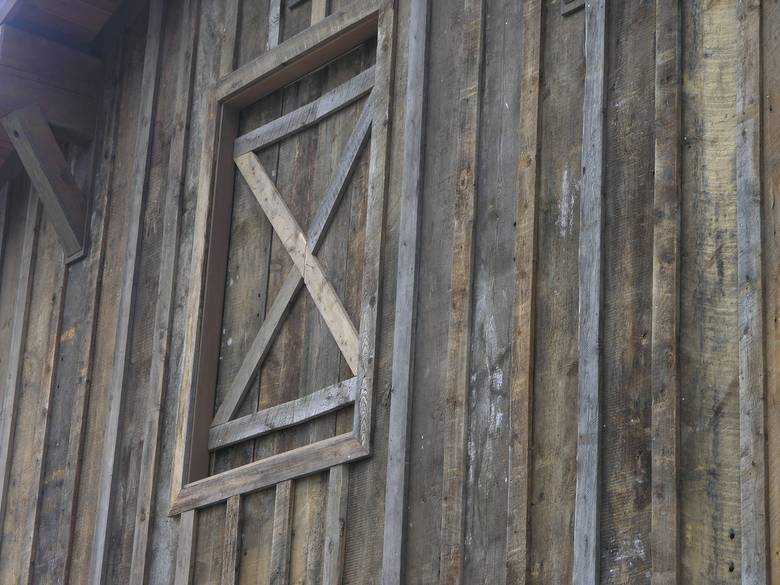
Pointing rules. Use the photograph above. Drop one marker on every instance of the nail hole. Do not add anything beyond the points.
(732, 534)
(731, 567)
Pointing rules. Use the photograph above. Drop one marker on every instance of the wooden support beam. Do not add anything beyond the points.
(269, 471)
(587, 503)
(231, 547)
(750, 303)
(293, 239)
(452, 542)
(281, 543)
(163, 320)
(48, 171)
(292, 284)
(406, 296)
(665, 354)
(306, 116)
(335, 526)
(13, 380)
(137, 195)
(284, 415)
(523, 309)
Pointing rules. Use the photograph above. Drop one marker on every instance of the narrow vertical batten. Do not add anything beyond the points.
(750, 301)
(586, 510)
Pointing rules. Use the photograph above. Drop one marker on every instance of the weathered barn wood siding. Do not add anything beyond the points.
(502, 206)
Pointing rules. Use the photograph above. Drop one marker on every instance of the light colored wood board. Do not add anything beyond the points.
(282, 535)
(522, 380)
(231, 548)
(284, 415)
(461, 298)
(274, 24)
(166, 290)
(292, 284)
(587, 509)
(406, 297)
(330, 306)
(319, 10)
(45, 165)
(137, 191)
(335, 524)
(18, 335)
(306, 116)
(665, 431)
(4, 203)
(229, 39)
(750, 304)
(301, 54)
(269, 471)
(185, 552)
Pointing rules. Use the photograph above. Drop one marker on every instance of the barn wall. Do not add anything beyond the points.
(126, 303)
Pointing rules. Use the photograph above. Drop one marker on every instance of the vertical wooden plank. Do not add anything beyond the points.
(750, 302)
(18, 335)
(42, 424)
(521, 393)
(3, 219)
(282, 534)
(335, 522)
(274, 23)
(166, 290)
(232, 541)
(127, 296)
(319, 10)
(586, 511)
(185, 551)
(406, 295)
(461, 302)
(666, 294)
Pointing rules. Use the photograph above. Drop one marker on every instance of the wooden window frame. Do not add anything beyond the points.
(192, 488)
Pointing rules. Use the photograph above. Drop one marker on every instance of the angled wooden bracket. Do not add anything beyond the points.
(45, 164)
(571, 6)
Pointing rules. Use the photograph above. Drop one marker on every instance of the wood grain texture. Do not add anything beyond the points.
(461, 301)
(586, 512)
(18, 335)
(666, 294)
(750, 303)
(335, 525)
(149, 87)
(282, 535)
(406, 297)
(45, 165)
(231, 548)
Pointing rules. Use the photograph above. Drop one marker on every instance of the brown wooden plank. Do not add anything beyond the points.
(330, 306)
(306, 116)
(45, 165)
(269, 471)
(335, 525)
(137, 192)
(18, 335)
(231, 548)
(292, 284)
(750, 303)
(166, 290)
(461, 301)
(282, 535)
(406, 297)
(282, 416)
(521, 397)
(586, 512)
(666, 294)
(302, 54)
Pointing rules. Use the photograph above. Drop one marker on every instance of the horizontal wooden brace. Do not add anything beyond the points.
(266, 472)
(306, 116)
(285, 415)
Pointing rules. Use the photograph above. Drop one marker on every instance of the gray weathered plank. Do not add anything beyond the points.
(283, 415)
(274, 24)
(461, 301)
(666, 294)
(319, 10)
(137, 194)
(4, 198)
(45, 165)
(231, 547)
(750, 303)
(185, 551)
(166, 289)
(306, 116)
(13, 380)
(586, 512)
(292, 284)
(335, 525)
(406, 295)
(282, 534)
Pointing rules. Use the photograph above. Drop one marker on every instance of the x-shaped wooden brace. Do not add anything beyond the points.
(306, 270)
